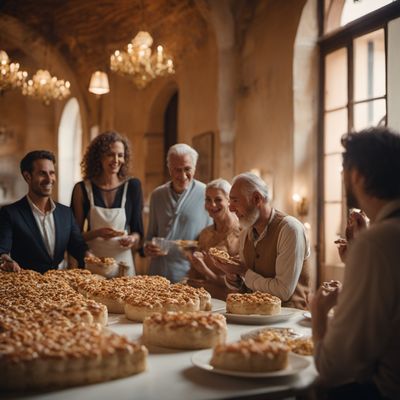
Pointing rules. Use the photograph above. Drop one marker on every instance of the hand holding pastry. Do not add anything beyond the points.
(356, 222)
(332, 285)
(129, 241)
(226, 263)
(106, 233)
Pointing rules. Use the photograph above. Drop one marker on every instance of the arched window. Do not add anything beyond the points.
(69, 150)
(353, 96)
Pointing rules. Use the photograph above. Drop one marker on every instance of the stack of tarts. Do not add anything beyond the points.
(52, 337)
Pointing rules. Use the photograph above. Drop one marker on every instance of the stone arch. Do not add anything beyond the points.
(153, 139)
(333, 14)
(220, 19)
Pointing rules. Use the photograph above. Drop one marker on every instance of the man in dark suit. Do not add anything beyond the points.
(35, 231)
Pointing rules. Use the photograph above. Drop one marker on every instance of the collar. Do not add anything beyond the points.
(36, 209)
(387, 210)
(253, 233)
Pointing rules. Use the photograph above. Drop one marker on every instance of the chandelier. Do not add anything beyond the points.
(10, 75)
(46, 87)
(139, 63)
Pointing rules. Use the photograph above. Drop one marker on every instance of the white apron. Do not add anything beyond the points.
(100, 217)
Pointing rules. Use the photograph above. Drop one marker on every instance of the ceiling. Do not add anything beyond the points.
(86, 32)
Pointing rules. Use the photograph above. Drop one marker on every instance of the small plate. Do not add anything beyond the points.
(256, 319)
(307, 314)
(218, 305)
(296, 364)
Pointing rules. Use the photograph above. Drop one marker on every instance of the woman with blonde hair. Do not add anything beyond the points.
(109, 200)
(222, 234)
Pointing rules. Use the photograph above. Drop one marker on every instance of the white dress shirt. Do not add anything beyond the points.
(45, 222)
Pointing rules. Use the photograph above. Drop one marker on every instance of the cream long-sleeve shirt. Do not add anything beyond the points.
(362, 342)
(292, 249)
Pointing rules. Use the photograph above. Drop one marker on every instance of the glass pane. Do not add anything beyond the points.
(355, 9)
(371, 113)
(333, 223)
(333, 177)
(336, 79)
(369, 66)
(335, 127)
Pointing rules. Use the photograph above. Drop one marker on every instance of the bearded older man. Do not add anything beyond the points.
(274, 249)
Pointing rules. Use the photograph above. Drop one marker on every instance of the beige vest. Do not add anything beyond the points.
(262, 259)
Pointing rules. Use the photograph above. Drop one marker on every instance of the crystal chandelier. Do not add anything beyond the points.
(10, 75)
(139, 64)
(46, 87)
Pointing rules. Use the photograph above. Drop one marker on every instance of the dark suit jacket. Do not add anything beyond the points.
(20, 236)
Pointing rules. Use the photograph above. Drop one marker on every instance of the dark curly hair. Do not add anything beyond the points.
(100, 145)
(375, 153)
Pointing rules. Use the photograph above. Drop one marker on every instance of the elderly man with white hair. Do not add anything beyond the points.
(176, 213)
(274, 249)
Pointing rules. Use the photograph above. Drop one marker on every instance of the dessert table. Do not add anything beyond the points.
(171, 375)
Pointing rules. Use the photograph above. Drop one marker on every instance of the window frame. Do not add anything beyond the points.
(342, 37)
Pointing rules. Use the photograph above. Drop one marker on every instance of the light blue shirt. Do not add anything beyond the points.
(176, 218)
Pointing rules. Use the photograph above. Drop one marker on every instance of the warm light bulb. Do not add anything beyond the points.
(296, 198)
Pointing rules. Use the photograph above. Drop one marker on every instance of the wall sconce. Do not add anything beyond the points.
(301, 205)
(99, 83)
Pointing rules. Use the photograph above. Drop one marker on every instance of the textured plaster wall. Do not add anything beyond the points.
(264, 137)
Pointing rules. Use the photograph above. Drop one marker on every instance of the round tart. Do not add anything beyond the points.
(253, 303)
(250, 356)
(49, 336)
(190, 330)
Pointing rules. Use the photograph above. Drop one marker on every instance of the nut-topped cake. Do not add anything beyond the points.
(189, 330)
(250, 356)
(49, 338)
(253, 303)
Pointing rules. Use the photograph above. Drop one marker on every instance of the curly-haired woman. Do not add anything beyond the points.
(109, 200)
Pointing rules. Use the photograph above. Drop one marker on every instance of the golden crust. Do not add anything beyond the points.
(299, 345)
(189, 330)
(253, 303)
(187, 244)
(251, 356)
(223, 256)
(47, 328)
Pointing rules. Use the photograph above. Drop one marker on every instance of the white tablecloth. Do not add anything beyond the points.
(171, 375)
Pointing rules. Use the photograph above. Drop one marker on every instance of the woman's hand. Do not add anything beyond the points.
(198, 262)
(130, 241)
(105, 233)
(231, 269)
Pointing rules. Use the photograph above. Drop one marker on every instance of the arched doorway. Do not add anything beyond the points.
(170, 127)
(69, 150)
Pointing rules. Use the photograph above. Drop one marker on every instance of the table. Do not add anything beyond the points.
(171, 375)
